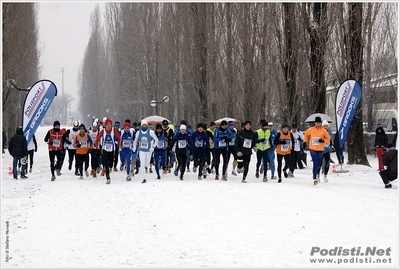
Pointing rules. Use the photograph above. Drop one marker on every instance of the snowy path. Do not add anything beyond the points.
(208, 223)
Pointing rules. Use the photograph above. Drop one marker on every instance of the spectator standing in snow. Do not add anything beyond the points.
(316, 137)
(55, 139)
(143, 141)
(381, 141)
(18, 149)
(4, 141)
(389, 159)
(244, 143)
(284, 142)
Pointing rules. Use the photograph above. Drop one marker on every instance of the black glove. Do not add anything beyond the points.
(191, 157)
(226, 139)
(78, 145)
(299, 138)
(36, 150)
(68, 142)
(321, 140)
(262, 140)
(50, 143)
(304, 145)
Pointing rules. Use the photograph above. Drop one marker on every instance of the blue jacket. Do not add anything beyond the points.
(182, 141)
(222, 138)
(274, 132)
(200, 141)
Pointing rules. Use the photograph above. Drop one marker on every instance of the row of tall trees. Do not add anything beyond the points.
(251, 61)
(20, 59)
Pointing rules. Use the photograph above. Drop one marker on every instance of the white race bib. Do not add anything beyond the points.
(161, 144)
(126, 143)
(83, 143)
(56, 143)
(222, 143)
(315, 140)
(247, 143)
(144, 144)
(232, 142)
(198, 144)
(285, 147)
(181, 144)
(108, 146)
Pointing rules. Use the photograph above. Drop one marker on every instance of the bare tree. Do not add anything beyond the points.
(20, 59)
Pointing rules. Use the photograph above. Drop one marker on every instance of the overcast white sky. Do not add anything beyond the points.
(63, 36)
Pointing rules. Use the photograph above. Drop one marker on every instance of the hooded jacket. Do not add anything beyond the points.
(381, 139)
(17, 145)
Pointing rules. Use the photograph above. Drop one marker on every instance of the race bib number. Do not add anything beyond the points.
(126, 143)
(56, 143)
(263, 144)
(222, 143)
(315, 140)
(108, 146)
(144, 144)
(285, 147)
(83, 143)
(182, 144)
(247, 143)
(232, 142)
(198, 144)
(160, 144)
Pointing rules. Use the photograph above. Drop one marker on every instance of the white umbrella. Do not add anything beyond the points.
(311, 118)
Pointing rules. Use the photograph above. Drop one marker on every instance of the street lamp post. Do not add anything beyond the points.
(154, 103)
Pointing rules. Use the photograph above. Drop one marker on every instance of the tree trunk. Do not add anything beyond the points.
(355, 138)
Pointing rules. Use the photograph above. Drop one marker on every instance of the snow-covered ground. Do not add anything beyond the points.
(80, 223)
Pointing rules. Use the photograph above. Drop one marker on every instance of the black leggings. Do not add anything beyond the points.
(218, 153)
(60, 158)
(287, 163)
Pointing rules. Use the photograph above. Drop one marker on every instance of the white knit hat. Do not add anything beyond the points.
(143, 122)
(182, 127)
(325, 122)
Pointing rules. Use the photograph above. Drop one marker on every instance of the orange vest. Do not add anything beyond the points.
(284, 149)
(83, 140)
(55, 140)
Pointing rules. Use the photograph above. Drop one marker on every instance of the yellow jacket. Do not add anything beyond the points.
(261, 134)
(313, 134)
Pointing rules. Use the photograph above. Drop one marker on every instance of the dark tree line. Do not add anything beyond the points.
(249, 61)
